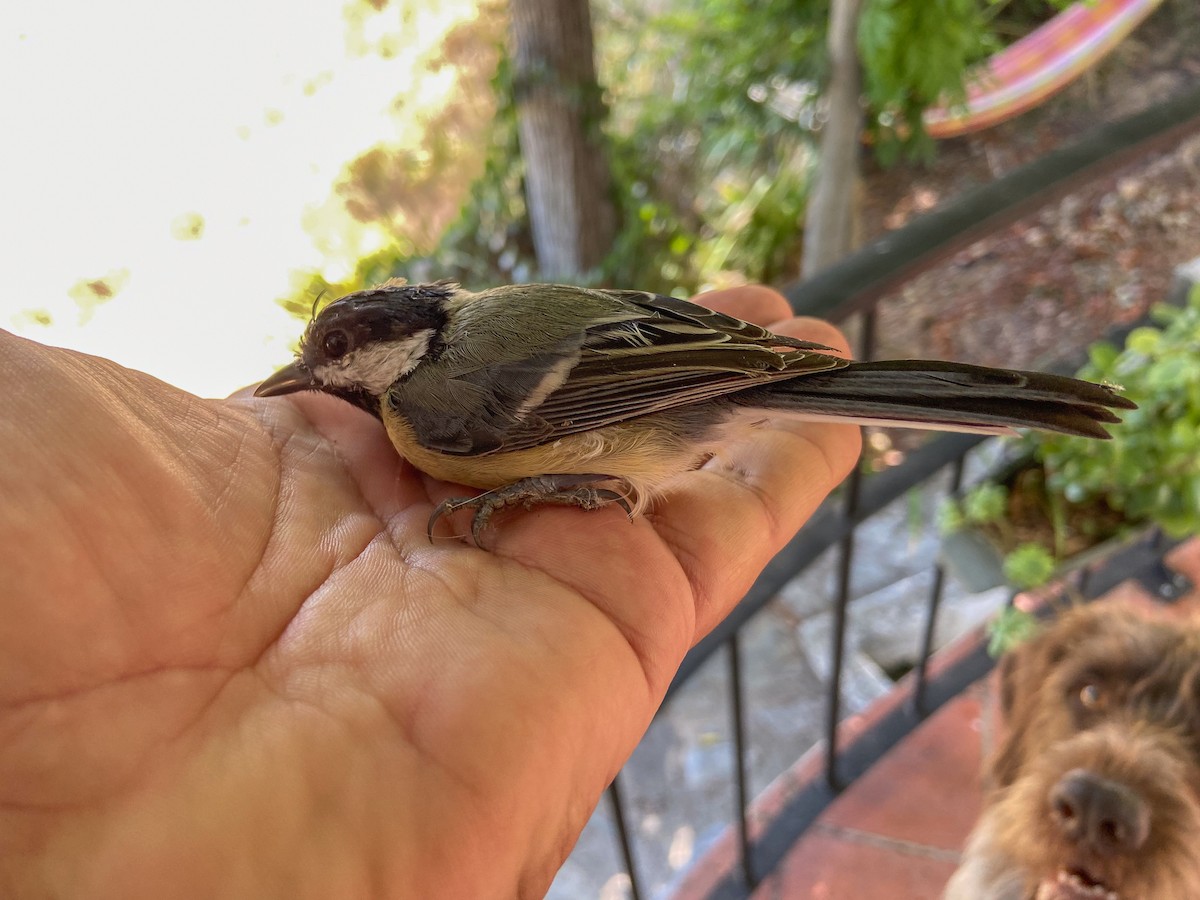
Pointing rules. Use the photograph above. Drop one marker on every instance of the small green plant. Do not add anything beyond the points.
(984, 504)
(1011, 627)
(1081, 491)
(1150, 470)
(1029, 565)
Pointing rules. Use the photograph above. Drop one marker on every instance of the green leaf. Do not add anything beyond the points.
(1011, 627)
(950, 518)
(1168, 375)
(1102, 355)
(1029, 566)
(1143, 340)
(985, 503)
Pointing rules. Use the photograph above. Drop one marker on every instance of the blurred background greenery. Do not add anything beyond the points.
(707, 122)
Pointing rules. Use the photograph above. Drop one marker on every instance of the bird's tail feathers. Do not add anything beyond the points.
(946, 396)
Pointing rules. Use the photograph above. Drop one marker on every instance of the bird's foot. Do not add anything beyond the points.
(557, 490)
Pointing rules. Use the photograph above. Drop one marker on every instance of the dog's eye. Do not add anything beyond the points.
(1091, 697)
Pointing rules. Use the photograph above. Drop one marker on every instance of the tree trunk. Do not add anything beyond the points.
(559, 110)
(830, 227)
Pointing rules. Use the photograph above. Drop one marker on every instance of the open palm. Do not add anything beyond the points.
(233, 665)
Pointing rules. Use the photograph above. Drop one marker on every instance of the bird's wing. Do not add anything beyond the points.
(641, 354)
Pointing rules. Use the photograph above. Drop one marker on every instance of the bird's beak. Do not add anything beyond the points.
(288, 380)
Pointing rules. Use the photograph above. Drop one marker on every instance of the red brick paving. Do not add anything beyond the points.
(939, 765)
(838, 866)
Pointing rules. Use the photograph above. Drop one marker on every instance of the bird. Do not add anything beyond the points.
(557, 394)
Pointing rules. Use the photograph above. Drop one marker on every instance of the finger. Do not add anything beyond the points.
(726, 521)
(752, 303)
(764, 306)
(816, 330)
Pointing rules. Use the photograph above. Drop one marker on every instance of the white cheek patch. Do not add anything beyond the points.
(377, 367)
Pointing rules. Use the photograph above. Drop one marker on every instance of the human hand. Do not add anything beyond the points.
(233, 665)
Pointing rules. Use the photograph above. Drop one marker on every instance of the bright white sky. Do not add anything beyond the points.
(120, 117)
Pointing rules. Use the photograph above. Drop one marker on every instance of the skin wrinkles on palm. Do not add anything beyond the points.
(228, 634)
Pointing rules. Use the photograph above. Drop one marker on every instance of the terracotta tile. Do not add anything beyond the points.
(928, 790)
(823, 867)
(953, 653)
(1186, 559)
(1135, 597)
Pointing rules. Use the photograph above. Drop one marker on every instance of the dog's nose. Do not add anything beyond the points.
(1102, 814)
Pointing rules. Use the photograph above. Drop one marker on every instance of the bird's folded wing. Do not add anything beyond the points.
(663, 354)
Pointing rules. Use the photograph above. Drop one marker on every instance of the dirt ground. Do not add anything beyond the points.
(1057, 280)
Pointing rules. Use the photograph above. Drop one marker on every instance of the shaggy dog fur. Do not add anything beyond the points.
(1096, 786)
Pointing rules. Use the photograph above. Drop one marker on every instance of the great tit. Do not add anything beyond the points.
(547, 393)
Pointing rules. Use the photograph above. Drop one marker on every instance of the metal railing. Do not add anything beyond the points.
(853, 288)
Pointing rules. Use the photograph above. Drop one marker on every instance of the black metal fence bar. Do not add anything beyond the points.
(935, 602)
(623, 842)
(841, 611)
(742, 793)
(845, 571)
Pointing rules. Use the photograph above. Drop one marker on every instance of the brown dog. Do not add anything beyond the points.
(1097, 783)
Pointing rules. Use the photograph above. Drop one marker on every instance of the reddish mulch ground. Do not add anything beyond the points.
(1057, 280)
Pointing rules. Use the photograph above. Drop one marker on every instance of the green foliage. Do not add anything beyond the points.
(915, 54)
(985, 503)
(1011, 627)
(710, 137)
(713, 108)
(950, 518)
(1029, 566)
(1150, 470)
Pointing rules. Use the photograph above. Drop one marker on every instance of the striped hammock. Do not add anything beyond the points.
(1041, 63)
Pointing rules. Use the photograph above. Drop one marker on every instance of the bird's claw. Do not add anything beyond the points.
(557, 490)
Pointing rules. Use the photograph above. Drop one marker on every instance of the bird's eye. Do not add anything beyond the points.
(335, 344)
(1091, 697)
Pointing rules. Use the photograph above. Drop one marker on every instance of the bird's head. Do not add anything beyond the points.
(361, 344)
